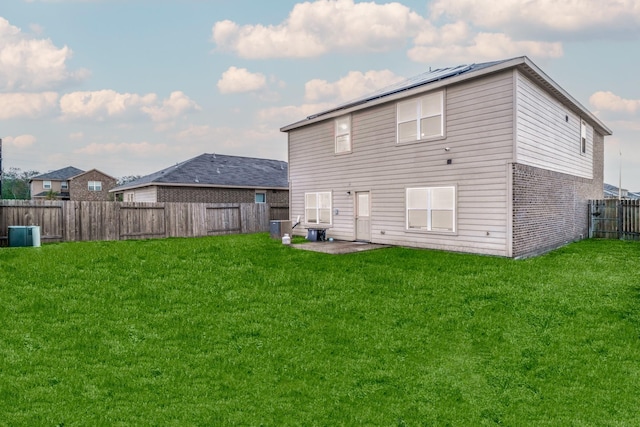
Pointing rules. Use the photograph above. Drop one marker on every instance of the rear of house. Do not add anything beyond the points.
(490, 158)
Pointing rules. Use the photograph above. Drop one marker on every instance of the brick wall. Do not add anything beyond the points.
(79, 187)
(550, 209)
(219, 195)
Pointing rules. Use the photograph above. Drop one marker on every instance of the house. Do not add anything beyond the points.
(71, 183)
(613, 192)
(212, 178)
(458, 159)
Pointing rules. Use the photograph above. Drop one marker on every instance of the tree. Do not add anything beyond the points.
(127, 179)
(15, 183)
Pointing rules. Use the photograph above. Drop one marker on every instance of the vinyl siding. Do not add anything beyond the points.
(478, 131)
(545, 139)
(146, 194)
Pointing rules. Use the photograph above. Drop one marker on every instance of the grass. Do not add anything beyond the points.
(241, 330)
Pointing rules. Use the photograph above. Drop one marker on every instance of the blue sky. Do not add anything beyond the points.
(132, 86)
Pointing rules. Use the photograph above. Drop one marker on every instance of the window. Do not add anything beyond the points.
(343, 134)
(431, 209)
(583, 137)
(46, 185)
(64, 185)
(95, 185)
(261, 197)
(317, 208)
(420, 118)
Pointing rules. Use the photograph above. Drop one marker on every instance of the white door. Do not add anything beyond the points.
(363, 220)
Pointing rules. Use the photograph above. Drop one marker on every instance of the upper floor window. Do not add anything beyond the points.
(583, 137)
(95, 185)
(421, 118)
(261, 197)
(343, 134)
(46, 185)
(431, 209)
(64, 185)
(317, 208)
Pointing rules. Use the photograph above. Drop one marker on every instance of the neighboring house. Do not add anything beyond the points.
(212, 178)
(71, 183)
(613, 192)
(493, 158)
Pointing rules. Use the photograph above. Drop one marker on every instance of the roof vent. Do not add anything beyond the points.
(196, 180)
(218, 170)
(214, 155)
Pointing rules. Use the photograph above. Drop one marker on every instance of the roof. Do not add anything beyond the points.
(612, 192)
(434, 79)
(216, 170)
(93, 170)
(59, 175)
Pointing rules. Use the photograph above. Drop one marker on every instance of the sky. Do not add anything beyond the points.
(130, 87)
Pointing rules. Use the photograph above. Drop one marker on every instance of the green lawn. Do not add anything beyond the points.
(241, 330)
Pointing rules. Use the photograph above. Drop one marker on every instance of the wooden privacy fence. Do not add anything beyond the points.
(614, 219)
(61, 221)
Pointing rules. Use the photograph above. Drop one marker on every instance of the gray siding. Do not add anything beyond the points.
(545, 139)
(479, 132)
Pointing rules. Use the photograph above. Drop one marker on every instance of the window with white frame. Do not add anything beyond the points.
(431, 209)
(421, 118)
(583, 137)
(317, 207)
(64, 185)
(261, 197)
(46, 185)
(95, 185)
(343, 134)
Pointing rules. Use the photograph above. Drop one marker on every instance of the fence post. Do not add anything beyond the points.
(590, 213)
(620, 222)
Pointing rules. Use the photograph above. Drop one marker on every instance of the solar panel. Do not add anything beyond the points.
(410, 83)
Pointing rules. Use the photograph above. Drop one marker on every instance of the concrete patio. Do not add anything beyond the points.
(337, 246)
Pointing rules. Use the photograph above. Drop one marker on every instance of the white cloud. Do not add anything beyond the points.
(457, 35)
(351, 86)
(108, 104)
(102, 104)
(608, 101)
(480, 47)
(176, 105)
(314, 28)
(28, 63)
(76, 135)
(21, 141)
(544, 18)
(27, 105)
(237, 80)
(137, 148)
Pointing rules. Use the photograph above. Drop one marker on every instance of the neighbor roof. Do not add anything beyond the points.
(59, 175)
(216, 170)
(434, 79)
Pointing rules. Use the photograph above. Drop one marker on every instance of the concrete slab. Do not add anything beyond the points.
(337, 246)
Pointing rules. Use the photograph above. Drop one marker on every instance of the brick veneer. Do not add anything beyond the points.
(79, 187)
(218, 195)
(550, 208)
